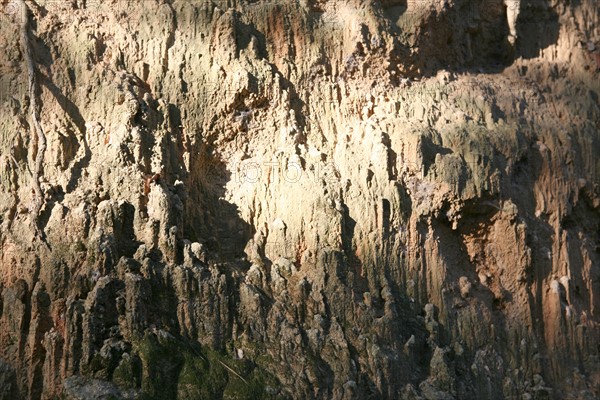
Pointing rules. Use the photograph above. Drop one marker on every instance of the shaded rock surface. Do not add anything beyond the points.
(302, 199)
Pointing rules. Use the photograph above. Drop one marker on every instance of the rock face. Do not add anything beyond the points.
(301, 199)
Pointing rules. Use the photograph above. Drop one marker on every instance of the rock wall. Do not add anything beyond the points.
(301, 199)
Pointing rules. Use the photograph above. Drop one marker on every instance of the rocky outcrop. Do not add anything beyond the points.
(303, 199)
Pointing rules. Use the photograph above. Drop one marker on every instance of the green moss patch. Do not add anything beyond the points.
(173, 369)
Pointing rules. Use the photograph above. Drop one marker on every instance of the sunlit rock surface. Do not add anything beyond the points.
(302, 199)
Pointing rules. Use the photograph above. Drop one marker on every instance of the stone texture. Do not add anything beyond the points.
(302, 199)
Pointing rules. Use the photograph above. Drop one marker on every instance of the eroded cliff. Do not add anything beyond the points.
(300, 199)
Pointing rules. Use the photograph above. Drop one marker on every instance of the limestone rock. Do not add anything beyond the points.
(301, 199)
